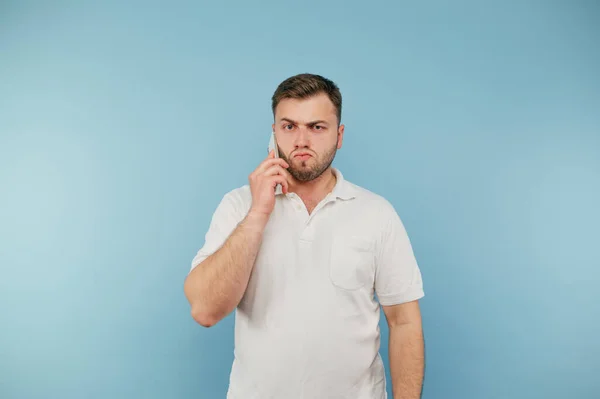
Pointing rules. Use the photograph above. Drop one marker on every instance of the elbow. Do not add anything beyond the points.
(198, 311)
(203, 318)
(203, 313)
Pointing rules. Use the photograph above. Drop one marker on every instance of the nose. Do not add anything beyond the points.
(302, 138)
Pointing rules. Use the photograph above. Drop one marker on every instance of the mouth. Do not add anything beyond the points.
(303, 156)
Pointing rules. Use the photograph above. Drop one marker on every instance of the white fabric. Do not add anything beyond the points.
(308, 324)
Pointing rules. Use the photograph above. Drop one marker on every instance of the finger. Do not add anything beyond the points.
(275, 170)
(267, 163)
(285, 187)
(276, 161)
(287, 174)
(281, 171)
(278, 179)
(280, 175)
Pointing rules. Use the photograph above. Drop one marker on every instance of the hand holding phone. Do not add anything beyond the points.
(270, 174)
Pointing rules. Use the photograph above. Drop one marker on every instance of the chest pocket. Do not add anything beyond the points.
(352, 262)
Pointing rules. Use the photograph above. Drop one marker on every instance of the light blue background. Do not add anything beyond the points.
(123, 125)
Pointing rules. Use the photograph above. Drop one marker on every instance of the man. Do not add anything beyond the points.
(300, 252)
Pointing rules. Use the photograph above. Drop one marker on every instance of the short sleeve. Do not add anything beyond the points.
(398, 277)
(224, 221)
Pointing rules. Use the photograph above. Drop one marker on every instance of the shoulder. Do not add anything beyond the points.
(375, 204)
(237, 200)
(239, 195)
(382, 216)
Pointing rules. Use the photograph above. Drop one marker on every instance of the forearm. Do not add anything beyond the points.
(215, 287)
(407, 360)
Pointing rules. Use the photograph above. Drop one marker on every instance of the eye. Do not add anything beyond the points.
(319, 127)
(289, 126)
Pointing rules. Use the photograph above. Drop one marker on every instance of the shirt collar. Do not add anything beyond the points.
(343, 189)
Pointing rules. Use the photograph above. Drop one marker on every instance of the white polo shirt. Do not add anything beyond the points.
(308, 323)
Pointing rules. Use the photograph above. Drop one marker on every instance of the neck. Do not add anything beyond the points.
(316, 189)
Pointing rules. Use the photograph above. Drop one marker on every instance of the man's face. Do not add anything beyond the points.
(307, 135)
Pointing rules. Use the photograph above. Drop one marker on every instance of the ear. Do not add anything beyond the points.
(340, 136)
(273, 127)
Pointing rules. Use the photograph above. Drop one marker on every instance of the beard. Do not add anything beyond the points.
(300, 170)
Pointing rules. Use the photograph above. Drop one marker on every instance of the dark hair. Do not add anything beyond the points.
(307, 85)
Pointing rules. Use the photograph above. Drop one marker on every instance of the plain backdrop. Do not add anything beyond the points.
(122, 125)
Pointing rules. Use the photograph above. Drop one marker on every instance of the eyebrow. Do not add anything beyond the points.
(308, 124)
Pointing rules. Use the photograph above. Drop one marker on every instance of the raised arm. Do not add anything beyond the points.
(217, 284)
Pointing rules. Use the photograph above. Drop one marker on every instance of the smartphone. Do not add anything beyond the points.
(273, 145)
